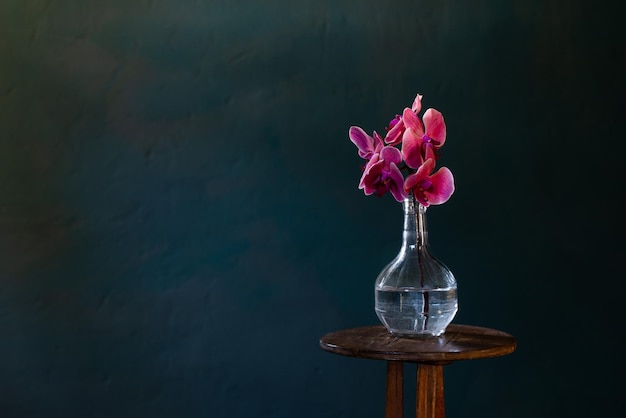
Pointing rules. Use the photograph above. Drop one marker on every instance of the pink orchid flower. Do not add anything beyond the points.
(410, 148)
(396, 127)
(382, 175)
(420, 143)
(367, 145)
(430, 189)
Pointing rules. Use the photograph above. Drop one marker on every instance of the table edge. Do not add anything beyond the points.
(424, 357)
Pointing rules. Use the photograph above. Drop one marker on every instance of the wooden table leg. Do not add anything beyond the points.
(395, 382)
(430, 401)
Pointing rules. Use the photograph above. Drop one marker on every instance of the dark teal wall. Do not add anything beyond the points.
(180, 220)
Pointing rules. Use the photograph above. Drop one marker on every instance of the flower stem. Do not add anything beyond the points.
(421, 229)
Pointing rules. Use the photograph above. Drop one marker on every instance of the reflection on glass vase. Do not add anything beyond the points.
(415, 294)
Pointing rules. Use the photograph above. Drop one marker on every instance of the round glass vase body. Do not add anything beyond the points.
(415, 294)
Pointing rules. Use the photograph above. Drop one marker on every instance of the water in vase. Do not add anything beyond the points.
(416, 312)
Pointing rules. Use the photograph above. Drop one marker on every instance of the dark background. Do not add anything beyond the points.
(180, 221)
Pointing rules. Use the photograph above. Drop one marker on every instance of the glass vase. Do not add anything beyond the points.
(415, 294)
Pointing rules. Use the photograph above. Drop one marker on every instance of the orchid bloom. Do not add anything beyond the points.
(430, 189)
(382, 174)
(420, 143)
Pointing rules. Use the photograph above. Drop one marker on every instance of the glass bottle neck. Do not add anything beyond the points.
(414, 234)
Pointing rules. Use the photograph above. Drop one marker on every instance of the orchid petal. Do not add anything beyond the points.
(425, 169)
(411, 144)
(363, 141)
(394, 135)
(411, 121)
(442, 187)
(368, 167)
(421, 198)
(372, 170)
(391, 155)
(435, 126)
(422, 172)
(410, 181)
(378, 142)
(428, 151)
(397, 180)
(417, 104)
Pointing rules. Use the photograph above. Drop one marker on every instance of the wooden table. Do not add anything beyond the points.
(459, 342)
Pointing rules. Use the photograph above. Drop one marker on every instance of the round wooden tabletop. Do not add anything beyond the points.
(459, 342)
